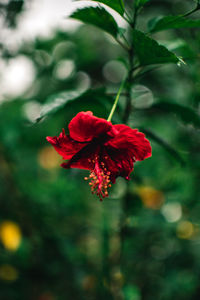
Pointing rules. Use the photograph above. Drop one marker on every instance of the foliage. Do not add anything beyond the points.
(150, 52)
(97, 16)
(116, 5)
(142, 243)
(163, 23)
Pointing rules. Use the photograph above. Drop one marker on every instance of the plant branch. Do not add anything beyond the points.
(126, 18)
(128, 107)
(130, 73)
(135, 17)
(121, 44)
(128, 90)
(126, 41)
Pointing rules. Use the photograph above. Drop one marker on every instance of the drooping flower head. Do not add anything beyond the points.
(106, 150)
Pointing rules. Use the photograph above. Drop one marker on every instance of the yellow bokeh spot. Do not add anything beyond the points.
(8, 273)
(150, 197)
(114, 245)
(10, 235)
(48, 158)
(46, 296)
(185, 230)
(118, 278)
(89, 282)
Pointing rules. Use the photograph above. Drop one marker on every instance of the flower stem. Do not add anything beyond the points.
(116, 100)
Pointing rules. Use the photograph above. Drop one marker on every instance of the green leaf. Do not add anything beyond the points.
(150, 52)
(117, 5)
(140, 3)
(171, 22)
(164, 144)
(56, 102)
(97, 16)
(186, 114)
(88, 100)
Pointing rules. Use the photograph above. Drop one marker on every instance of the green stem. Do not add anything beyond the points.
(135, 18)
(131, 69)
(127, 111)
(126, 19)
(121, 44)
(116, 100)
(128, 106)
(126, 41)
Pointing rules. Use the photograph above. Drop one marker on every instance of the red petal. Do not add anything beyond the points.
(64, 145)
(119, 163)
(84, 127)
(83, 159)
(80, 164)
(131, 140)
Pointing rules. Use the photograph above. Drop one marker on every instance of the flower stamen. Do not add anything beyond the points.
(99, 179)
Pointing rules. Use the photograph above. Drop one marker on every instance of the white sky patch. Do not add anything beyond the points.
(19, 74)
(39, 18)
(44, 15)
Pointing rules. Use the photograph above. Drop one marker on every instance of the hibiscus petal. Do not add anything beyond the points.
(80, 164)
(119, 163)
(64, 145)
(84, 127)
(131, 140)
(84, 159)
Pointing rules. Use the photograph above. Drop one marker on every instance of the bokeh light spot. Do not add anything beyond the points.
(18, 76)
(63, 49)
(172, 211)
(114, 71)
(185, 230)
(32, 110)
(117, 278)
(48, 158)
(46, 296)
(64, 69)
(142, 96)
(10, 235)
(151, 197)
(89, 282)
(8, 273)
(83, 81)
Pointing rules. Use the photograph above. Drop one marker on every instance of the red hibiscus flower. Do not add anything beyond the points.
(107, 150)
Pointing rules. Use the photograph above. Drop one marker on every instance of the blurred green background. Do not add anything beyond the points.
(57, 241)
